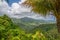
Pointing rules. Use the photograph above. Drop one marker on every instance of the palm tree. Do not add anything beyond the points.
(46, 6)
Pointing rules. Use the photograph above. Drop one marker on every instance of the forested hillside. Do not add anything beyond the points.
(27, 23)
(12, 31)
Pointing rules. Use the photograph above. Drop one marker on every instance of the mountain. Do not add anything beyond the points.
(31, 20)
(30, 23)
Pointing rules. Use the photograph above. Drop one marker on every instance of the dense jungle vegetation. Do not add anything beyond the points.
(12, 31)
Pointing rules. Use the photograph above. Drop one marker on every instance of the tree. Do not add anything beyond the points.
(46, 6)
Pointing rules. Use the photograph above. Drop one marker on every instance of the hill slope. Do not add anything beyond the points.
(30, 23)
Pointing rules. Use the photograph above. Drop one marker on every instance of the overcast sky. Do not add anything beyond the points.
(16, 10)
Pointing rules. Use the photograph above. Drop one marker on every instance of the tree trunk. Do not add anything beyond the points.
(58, 23)
(58, 14)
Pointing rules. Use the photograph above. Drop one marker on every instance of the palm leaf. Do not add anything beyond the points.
(41, 6)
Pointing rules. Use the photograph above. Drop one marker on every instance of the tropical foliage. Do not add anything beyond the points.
(41, 6)
(11, 31)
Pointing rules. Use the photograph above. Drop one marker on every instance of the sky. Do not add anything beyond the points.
(14, 9)
(12, 1)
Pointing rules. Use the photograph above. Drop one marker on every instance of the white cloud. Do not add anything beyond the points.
(16, 8)
(18, 11)
(3, 7)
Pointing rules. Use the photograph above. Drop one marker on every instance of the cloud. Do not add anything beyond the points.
(3, 7)
(19, 8)
(19, 11)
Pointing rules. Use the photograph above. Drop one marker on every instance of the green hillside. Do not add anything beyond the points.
(30, 23)
(10, 30)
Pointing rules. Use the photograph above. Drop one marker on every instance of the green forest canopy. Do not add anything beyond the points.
(11, 31)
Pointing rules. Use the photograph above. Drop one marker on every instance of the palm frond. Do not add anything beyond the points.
(41, 6)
